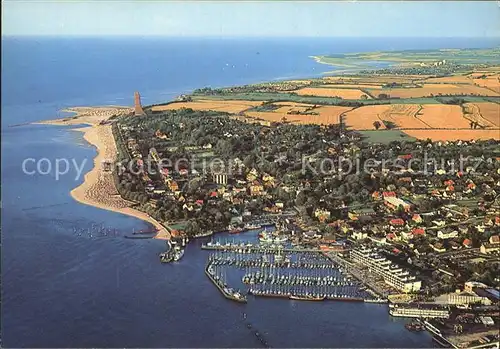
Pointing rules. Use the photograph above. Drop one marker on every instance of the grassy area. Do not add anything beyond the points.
(385, 136)
(459, 56)
(283, 97)
(178, 226)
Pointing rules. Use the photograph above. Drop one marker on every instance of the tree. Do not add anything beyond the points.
(301, 198)
(389, 124)
(194, 185)
(363, 97)
(192, 228)
(377, 124)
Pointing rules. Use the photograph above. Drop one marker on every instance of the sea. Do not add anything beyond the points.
(63, 285)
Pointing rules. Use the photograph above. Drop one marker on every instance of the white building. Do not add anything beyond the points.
(392, 274)
(447, 235)
(466, 298)
(220, 178)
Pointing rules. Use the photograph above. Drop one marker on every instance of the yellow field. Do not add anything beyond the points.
(331, 92)
(479, 73)
(285, 109)
(490, 111)
(492, 82)
(457, 79)
(354, 86)
(229, 106)
(330, 114)
(404, 116)
(435, 89)
(363, 118)
(407, 116)
(466, 135)
(327, 115)
(443, 116)
(485, 114)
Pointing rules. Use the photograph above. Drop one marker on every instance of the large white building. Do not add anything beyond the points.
(392, 274)
(394, 203)
(467, 297)
(220, 178)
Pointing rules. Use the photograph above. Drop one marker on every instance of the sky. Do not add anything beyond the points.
(256, 18)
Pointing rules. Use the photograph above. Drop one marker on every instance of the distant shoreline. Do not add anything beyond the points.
(98, 188)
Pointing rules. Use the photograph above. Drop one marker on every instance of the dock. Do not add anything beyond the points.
(300, 274)
(255, 248)
(226, 292)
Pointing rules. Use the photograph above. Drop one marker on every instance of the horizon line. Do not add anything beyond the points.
(237, 36)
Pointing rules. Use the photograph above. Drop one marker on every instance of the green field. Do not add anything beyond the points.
(458, 56)
(283, 97)
(178, 226)
(385, 136)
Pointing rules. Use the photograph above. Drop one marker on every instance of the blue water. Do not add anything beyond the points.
(63, 289)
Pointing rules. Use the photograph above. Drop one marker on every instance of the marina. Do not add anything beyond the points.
(217, 276)
(280, 270)
(245, 247)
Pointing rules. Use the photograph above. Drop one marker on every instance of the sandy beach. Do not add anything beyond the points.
(98, 188)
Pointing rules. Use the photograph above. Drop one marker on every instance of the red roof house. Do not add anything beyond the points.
(418, 231)
(405, 156)
(397, 221)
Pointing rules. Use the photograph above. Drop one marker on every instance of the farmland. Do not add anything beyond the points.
(486, 114)
(404, 116)
(371, 59)
(443, 116)
(436, 89)
(229, 106)
(438, 96)
(457, 79)
(323, 115)
(491, 81)
(375, 79)
(352, 86)
(332, 92)
(364, 117)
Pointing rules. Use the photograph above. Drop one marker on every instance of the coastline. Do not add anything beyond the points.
(98, 188)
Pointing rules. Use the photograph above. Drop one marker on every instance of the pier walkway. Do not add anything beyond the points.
(256, 248)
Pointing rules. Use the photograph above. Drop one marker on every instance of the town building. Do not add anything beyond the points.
(418, 312)
(322, 215)
(220, 178)
(489, 248)
(447, 234)
(466, 298)
(392, 274)
(394, 203)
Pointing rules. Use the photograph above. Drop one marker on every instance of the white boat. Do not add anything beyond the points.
(280, 239)
(178, 255)
(264, 237)
(252, 226)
